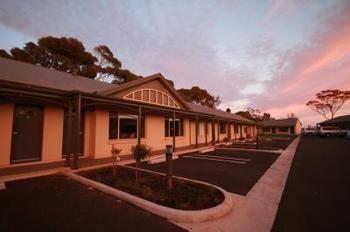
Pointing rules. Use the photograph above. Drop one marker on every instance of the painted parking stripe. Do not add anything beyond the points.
(224, 157)
(212, 159)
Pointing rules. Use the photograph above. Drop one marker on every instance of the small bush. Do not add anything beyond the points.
(141, 152)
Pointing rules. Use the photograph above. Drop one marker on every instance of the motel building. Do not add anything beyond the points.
(287, 126)
(46, 115)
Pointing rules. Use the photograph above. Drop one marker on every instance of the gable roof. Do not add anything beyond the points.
(158, 76)
(30, 74)
(339, 119)
(279, 122)
(218, 113)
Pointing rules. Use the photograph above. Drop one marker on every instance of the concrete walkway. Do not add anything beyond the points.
(257, 210)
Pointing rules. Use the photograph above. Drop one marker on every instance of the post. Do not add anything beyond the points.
(174, 138)
(77, 135)
(229, 130)
(196, 131)
(213, 131)
(70, 137)
(206, 132)
(169, 167)
(218, 131)
(139, 127)
(257, 138)
(240, 131)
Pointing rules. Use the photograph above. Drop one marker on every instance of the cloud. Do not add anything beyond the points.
(237, 105)
(302, 72)
(256, 88)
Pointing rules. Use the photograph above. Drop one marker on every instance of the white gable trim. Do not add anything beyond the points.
(152, 96)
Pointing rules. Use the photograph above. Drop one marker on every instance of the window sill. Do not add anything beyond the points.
(126, 140)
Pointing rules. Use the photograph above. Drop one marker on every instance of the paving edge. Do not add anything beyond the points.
(248, 149)
(174, 215)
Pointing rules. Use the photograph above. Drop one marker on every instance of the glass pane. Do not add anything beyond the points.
(128, 128)
(113, 125)
(146, 95)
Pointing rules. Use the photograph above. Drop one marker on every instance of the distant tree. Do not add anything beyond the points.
(228, 110)
(329, 102)
(63, 54)
(254, 114)
(266, 116)
(200, 96)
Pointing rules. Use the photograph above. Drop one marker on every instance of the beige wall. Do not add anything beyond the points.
(52, 134)
(6, 120)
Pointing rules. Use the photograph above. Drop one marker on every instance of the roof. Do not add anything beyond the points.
(279, 122)
(31, 74)
(38, 76)
(157, 76)
(218, 113)
(340, 119)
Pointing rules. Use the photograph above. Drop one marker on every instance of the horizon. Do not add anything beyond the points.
(273, 55)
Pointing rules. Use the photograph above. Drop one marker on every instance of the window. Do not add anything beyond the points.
(169, 127)
(122, 126)
(283, 129)
(222, 128)
(113, 125)
(128, 126)
(266, 129)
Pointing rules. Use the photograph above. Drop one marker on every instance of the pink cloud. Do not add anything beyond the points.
(304, 71)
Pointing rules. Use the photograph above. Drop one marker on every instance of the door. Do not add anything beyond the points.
(68, 147)
(27, 133)
(273, 130)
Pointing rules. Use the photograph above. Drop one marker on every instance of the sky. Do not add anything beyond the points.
(273, 55)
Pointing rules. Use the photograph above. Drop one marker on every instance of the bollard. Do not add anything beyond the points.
(169, 166)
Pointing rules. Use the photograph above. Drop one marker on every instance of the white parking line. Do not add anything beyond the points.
(220, 160)
(224, 157)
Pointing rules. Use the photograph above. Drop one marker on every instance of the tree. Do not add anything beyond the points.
(63, 54)
(254, 114)
(329, 102)
(200, 96)
(69, 55)
(109, 67)
(228, 110)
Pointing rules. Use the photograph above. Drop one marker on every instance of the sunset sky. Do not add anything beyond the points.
(271, 55)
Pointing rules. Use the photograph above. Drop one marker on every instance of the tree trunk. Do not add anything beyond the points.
(137, 171)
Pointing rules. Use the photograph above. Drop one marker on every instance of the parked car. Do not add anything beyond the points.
(347, 133)
(309, 131)
(331, 131)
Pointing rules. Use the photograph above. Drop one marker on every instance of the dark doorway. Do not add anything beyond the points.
(68, 139)
(292, 130)
(273, 130)
(27, 133)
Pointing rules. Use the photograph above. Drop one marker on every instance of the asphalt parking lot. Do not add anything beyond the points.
(57, 203)
(316, 195)
(234, 171)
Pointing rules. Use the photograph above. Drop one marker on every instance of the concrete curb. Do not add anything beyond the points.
(248, 149)
(174, 215)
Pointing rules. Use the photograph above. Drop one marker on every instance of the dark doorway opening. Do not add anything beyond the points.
(27, 133)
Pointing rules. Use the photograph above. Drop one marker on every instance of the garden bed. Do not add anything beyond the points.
(185, 195)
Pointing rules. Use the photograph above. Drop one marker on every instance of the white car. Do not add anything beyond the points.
(309, 131)
(331, 131)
